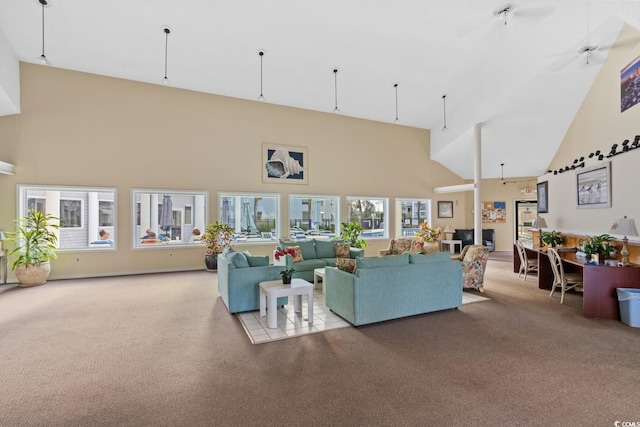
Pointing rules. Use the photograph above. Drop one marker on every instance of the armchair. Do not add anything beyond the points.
(474, 261)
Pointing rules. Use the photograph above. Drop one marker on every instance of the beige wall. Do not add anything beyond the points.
(83, 129)
(597, 126)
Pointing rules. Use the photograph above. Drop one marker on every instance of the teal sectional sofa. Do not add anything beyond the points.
(238, 277)
(394, 286)
(316, 254)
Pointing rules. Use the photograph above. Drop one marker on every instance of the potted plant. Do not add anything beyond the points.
(216, 237)
(286, 275)
(429, 236)
(350, 233)
(597, 247)
(36, 244)
(551, 238)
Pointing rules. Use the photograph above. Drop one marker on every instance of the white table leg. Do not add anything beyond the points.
(272, 310)
(263, 303)
(310, 305)
(315, 281)
(297, 303)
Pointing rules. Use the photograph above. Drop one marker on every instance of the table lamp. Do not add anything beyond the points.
(626, 227)
(448, 230)
(539, 223)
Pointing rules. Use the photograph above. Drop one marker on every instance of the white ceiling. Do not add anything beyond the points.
(524, 81)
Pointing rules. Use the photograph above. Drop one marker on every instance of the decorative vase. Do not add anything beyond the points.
(286, 279)
(33, 274)
(211, 262)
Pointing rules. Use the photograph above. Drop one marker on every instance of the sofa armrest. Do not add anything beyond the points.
(356, 253)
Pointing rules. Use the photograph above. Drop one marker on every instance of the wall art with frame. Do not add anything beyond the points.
(543, 197)
(445, 209)
(284, 164)
(593, 186)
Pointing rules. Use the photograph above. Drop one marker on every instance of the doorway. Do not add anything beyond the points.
(526, 212)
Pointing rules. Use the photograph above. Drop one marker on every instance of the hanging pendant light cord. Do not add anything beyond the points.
(335, 75)
(444, 111)
(396, 87)
(261, 53)
(166, 50)
(43, 3)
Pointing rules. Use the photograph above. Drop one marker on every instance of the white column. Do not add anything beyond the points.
(477, 177)
(93, 213)
(198, 212)
(52, 206)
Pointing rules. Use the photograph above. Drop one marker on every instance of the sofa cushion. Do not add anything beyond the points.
(416, 247)
(258, 261)
(346, 264)
(239, 259)
(431, 257)
(384, 261)
(401, 246)
(307, 247)
(342, 250)
(325, 249)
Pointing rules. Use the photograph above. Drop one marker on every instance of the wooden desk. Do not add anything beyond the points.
(600, 299)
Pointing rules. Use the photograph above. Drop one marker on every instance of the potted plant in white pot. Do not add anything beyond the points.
(36, 245)
(216, 237)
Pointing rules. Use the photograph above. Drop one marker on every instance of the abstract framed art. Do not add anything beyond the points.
(445, 209)
(543, 197)
(284, 164)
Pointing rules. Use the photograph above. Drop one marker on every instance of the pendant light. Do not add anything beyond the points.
(444, 112)
(261, 97)
(43, 59)
(167, 31)
(395, 86)
(335, 76)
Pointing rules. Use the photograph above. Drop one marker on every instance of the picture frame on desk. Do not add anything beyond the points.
(543, 197)
(593, 186)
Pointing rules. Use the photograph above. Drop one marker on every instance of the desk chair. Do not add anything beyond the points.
(526, 265)
(567, 281)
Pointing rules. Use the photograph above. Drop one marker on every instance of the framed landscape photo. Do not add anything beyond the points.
(284, 164)
(593, 186)
(445, 209)
(543, 197)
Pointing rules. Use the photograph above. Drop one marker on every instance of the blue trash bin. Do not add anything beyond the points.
(629, 300)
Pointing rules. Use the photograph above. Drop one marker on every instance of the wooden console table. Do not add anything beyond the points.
(600, 300)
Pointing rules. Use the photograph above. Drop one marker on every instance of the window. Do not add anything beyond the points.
(370, 213)
(83, 212)
(410, 213)
(313, 216)
(254, 217)
(188, 217)
(158, 217)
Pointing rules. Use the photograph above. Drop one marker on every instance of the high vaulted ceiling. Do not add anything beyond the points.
(524, 81)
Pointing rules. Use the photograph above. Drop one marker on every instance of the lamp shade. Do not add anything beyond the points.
(539, 223)
(624, 227)
(448, 229)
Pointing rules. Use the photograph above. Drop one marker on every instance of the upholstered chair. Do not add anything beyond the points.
(474, 261)
(397, 246)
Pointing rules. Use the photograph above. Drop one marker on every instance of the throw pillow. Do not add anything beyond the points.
(346, 264)
(416, 247)
(343, 250)
(325, 249)
(298, 257)
(402, 246)
(239, 260)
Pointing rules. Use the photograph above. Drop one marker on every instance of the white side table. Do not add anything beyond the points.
(317, 274)
(452, 245)
(272, 290)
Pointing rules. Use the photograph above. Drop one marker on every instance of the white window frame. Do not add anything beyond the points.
(384, 220)
(400, 228)
(239, 238)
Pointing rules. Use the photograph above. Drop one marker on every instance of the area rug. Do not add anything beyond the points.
(292, 324)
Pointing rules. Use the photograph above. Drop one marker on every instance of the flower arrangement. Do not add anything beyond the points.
(427, 233)
(283, 252)
(287, 272)
(216, 237)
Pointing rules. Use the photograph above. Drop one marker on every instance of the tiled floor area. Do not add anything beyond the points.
(290, 323)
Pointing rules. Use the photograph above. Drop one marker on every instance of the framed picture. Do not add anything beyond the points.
(628, 74)
(494, 212)
(445, 209)
(593, 186)
(284, 164)
(543, 197)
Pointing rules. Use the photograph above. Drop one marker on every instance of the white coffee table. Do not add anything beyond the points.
(318, 273)
(452, 245)
(272, 290)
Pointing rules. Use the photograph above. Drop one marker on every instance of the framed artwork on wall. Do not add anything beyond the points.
(494, 212)
(543, 197)
(593, 186)
(284, 164)
(445, 209)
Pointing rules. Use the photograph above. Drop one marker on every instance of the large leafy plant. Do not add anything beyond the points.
(216, 237)
(36, 242)
(350, 233)
(597, 245)
(551, 238)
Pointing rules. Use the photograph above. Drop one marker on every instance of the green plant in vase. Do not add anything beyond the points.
(350, 233)
(597, 245)
(551, 238)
